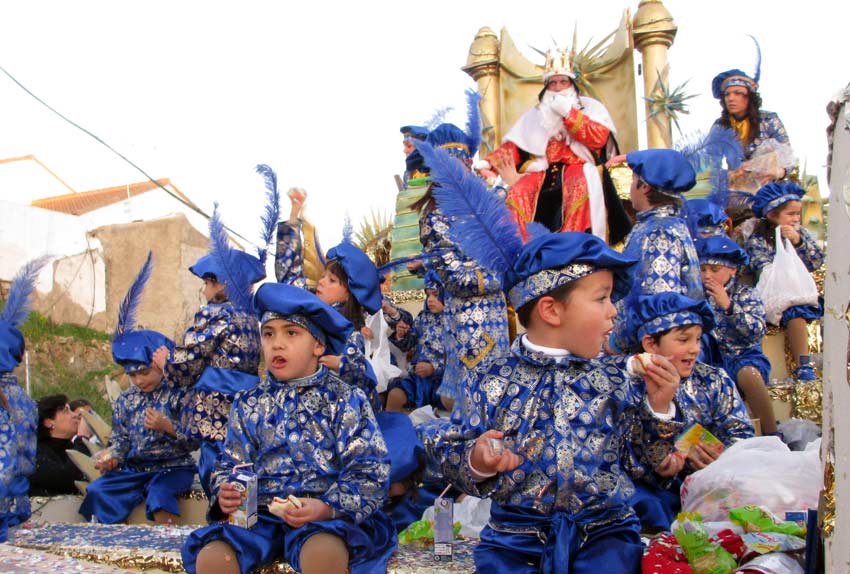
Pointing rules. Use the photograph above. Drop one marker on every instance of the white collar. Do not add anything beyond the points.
(549, 351)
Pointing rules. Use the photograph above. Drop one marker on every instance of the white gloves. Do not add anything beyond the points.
(562, 102)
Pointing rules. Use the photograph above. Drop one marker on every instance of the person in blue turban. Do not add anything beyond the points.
(336, 468)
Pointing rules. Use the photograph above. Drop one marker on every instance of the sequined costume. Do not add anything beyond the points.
(762, 253)
(668, 261)
(17, 452)
(155, 466)
(220, 355)
(770, 127)
(557, 191)
(354, 367)
(740, 329)
(708, 397)
(566, 502)
(475, 314)
(429, 335)
(311, 437)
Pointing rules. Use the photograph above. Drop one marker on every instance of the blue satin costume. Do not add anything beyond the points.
(311, 437)
(156, 467)
(564, 508)
(17, 453)
(475, 316)
(428, 331)
(219, 357)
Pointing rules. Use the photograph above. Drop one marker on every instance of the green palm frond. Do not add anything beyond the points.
(667, 103)
(375, 236)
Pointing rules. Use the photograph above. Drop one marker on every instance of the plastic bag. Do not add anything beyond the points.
(786, 282)
(378, 351)
(798, 433)
(759, 471)
(471, 513)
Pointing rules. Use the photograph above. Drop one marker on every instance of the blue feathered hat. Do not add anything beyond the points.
(415, 132)
(720, 250)
(299, 306)
(774, 195)
(705, 217)
(363, 280)
(553, 260)
(133, 349)
(738, 78)
(432, 281)
(661, 312)
(15, 313)
(667, 170)
(247, 266)
(460, 144)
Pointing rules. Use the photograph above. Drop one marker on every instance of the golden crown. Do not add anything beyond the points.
(558, 63)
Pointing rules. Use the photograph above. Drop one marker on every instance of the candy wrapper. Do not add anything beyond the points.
(696, 434)
(755, 519)
(704, 556)
(422, 532)
(767, 542)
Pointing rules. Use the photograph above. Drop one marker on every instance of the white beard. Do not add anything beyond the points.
(553, 122)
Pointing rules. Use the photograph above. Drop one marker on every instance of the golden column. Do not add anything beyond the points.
(653, 31)
(483, 65)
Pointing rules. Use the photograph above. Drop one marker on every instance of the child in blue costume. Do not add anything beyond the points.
(660, 240)
(350, 284)
(739, 323)
(419, 387)
(671, 325)
(307, 434)
(149, 461)
(18, 412)
(220, 354)
(705, 218)
(557, 416)
(779, 205)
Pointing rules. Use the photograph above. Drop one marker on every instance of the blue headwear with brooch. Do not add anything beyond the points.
(774, 195)
(705, 217)
(460, 144)
(661, 312)
(736, 77)
(299, 306)
(721, 250)
(667, 170)
(15, 313)
(131, 348)
(363, 279)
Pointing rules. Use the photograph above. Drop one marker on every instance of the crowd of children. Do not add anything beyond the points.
(568, 427)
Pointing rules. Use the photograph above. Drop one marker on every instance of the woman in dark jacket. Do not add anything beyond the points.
(55, 473)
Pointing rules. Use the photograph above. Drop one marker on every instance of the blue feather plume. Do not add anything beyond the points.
(438, 117)
(708, 151)
(396, 263)
(480, 222)
(740, 199)
(224, 255)
(347, 230)
(757, 73)
(271, 215)
(130, 304)
(718, 180)
(473, 121)
(17, 306)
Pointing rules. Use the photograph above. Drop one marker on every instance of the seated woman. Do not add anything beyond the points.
(55, 473)
(671, 325)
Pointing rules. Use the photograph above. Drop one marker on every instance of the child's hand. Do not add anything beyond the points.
(662, 381)
(297, 197)
(701, 455)
(424, 369)
(789, 232)
(718, 291)
(401, 329)
(229, 498)
(505, 166)
(483, 459)
(414, 266)
(107, 465)
(330, 361)
(367, 333)
(156, 420)
(313, 510)
(672, 465)
(617, 159)
(160, 357)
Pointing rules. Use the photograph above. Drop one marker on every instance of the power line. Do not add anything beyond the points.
(122, 156)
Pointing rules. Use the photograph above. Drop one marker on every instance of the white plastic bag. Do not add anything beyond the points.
(759, 471)
(378, 351)
(786, 282)
(472, 513)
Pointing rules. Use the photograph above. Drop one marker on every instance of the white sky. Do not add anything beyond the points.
(200, 92)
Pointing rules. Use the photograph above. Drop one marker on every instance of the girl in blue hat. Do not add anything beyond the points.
(18, 412)
(671, 325)
(336, 465)
(740, 323)
(779, 205)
